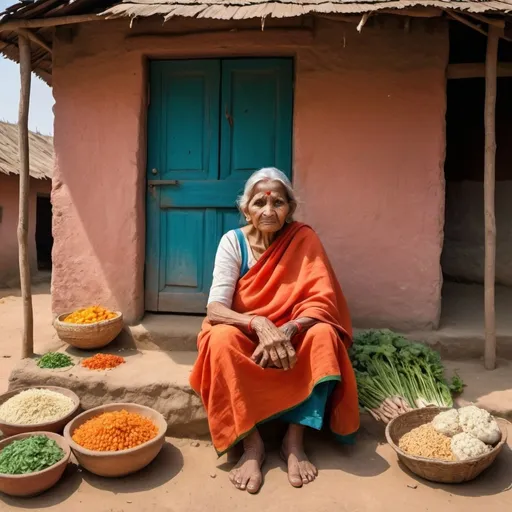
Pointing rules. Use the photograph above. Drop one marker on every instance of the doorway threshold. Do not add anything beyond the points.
(461, 332)
(169, 332)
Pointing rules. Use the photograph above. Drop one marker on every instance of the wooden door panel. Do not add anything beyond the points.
(211, 123)
(190, 119)
(256, 129)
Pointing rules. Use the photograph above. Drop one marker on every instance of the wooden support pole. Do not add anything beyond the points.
(491, 63)
(26, 293)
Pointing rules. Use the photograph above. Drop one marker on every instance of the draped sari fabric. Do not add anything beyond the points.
(292, 279)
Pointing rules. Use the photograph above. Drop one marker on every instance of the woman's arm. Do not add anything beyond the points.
(291, 328)
(218, 313)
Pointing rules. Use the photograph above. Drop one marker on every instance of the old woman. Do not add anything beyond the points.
(274, 343)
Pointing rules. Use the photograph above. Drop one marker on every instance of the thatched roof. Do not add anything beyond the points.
(207, 9)
(41, 152)
(245, 9)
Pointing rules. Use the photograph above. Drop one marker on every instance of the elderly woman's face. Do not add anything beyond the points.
(269, 206)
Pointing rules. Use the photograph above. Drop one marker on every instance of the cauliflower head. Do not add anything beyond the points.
(465, 446)
(447, 423)
(479, 424)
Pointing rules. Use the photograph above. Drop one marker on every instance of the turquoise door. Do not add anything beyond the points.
(211, 123)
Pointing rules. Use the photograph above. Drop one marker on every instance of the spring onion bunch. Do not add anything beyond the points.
(395, 375)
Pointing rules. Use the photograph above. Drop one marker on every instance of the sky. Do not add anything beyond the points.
(41, 99)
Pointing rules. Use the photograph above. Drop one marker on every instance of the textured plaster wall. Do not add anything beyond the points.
(368, 156)
(9, 187)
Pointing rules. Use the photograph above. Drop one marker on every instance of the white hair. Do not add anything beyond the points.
(267, 173)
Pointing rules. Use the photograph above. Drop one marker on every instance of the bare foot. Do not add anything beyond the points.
(246, 475)
(300, 470)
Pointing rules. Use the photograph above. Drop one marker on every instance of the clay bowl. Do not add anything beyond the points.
(89, 336)
(122, 462)
(11, 429)
(436, 470)
(32, 484)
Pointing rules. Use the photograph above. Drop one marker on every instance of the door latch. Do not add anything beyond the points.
(228, 116)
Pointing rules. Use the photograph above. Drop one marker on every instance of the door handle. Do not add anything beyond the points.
(152, 184)
(162, 183)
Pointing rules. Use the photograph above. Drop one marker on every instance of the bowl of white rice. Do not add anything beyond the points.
(37, 409)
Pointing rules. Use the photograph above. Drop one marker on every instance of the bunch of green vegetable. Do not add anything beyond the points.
(55, 360)
(29, 455)
(395, 375)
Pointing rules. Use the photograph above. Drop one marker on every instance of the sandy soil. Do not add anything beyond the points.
(187, 476)
(11, 317)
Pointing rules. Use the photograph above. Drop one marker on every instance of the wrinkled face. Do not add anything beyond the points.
(269, 207)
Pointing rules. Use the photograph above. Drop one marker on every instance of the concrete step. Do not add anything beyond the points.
(163, 332)
(463, 342)
(159, 379)
(179, 332)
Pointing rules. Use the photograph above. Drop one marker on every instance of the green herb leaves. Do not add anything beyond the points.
(29, 455)
(55, 360)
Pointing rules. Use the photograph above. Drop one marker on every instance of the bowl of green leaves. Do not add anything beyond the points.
(32, 463)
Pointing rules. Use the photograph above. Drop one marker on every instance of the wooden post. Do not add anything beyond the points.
(491, 63)
(26, 293)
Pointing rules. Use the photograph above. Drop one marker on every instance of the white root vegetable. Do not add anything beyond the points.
(391, 404)
(375, 416)
(397, 401)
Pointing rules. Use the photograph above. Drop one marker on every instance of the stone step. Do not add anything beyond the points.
(179, 332)
(163, 332)
(159, 379)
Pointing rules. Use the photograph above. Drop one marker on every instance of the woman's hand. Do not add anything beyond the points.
(276, 342)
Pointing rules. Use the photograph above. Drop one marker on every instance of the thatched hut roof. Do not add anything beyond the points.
(206, 9)
(41, 152)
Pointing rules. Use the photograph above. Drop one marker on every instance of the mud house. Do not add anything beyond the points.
(375, 110)
(40, 234)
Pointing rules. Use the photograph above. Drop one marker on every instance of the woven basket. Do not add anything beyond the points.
(89, 336)
(434, 470)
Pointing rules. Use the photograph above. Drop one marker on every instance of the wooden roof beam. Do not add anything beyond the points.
(478, 28)
(35, 38)
(14, 25)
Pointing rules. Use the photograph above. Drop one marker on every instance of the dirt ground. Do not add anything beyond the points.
(187, 476)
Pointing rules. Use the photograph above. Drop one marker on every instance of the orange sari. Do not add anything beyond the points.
(292, 279)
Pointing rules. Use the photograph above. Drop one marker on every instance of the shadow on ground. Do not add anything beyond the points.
(68, 485)
(360, 459)
(162, 470)
(495, 480)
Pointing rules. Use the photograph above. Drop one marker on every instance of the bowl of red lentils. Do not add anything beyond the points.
(116, 439)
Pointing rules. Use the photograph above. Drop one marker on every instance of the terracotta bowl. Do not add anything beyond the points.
(89, 336)
(122, 462)
(436, 470)
(32, 484)
(10, 429)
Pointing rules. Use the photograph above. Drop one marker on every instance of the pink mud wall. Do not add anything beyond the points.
(9, 194)
(368, 160)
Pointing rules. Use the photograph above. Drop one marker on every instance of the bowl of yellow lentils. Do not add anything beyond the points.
(89, 328)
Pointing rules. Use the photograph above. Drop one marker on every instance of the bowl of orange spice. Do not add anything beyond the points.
(89, 328)
(117, 439)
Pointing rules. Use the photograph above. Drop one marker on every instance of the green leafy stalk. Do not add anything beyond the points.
(389, 365)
